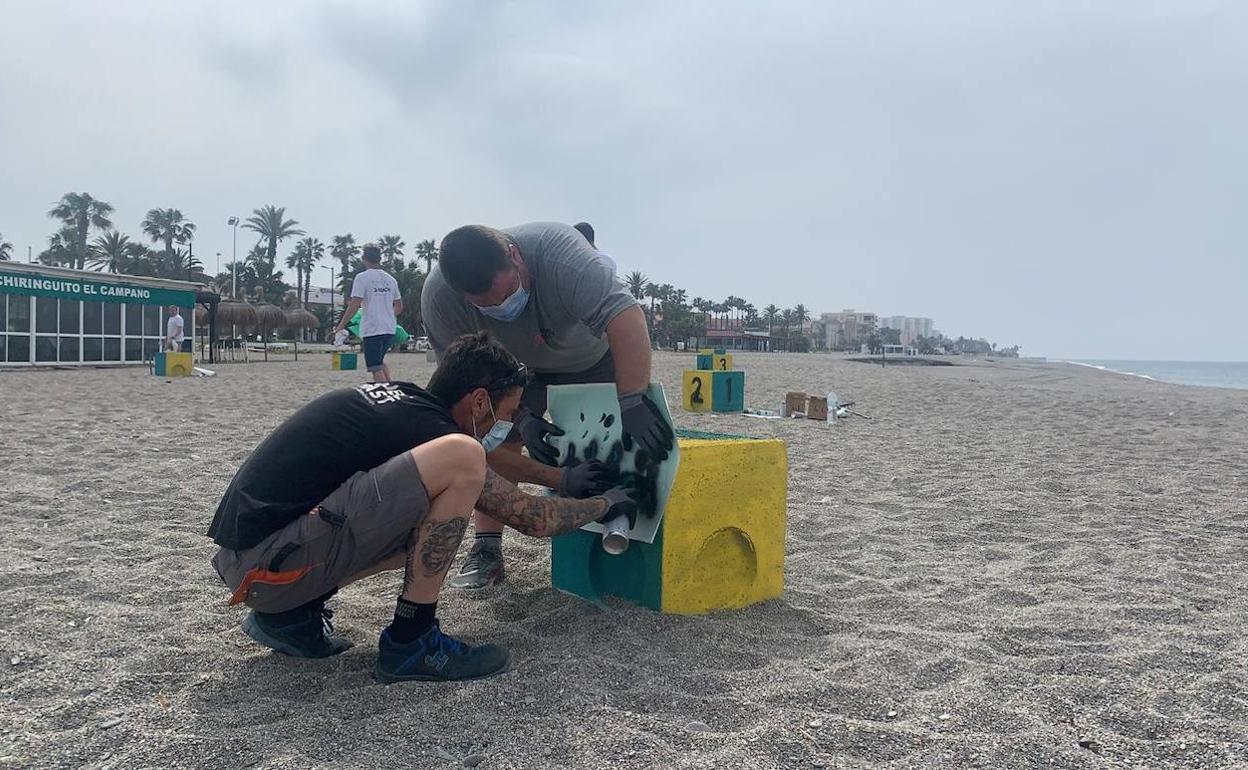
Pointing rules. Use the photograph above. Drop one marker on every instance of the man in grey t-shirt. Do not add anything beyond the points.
(552, 301)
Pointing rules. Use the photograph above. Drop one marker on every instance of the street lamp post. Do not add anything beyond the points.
(233, 222)
(331, 287)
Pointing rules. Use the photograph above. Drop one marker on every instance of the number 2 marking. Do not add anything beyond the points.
(696, 397)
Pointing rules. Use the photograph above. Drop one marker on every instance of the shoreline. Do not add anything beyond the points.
(1158, 379)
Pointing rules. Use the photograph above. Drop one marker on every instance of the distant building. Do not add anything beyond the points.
(911, 328)
(731, 333)
(319, 296)
(848, 329)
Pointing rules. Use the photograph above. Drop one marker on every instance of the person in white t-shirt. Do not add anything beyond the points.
(174, 330)
(378, 292)
(587, 230)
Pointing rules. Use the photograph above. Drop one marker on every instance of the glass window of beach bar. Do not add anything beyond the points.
(49, 327)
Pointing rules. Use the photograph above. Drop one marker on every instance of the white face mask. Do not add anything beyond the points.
(497, 434)
(510, 309)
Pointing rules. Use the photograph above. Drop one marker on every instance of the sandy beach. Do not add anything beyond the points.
(1011, 565)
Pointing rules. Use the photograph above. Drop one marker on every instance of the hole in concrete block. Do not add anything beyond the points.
(727, 559)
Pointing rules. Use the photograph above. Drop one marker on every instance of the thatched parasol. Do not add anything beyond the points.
(268, 318)
(233, 313)
(297, 318)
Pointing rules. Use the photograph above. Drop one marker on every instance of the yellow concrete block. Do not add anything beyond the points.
(169, 364)
(722, 362)
(695, 390)
(724, 526)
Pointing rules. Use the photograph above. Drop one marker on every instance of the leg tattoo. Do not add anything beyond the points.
(441, 542)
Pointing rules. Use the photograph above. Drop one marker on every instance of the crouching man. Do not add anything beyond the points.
(385, 476)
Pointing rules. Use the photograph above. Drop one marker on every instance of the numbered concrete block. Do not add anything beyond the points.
(344, 361)
(173, 365)
(706, 351)
(706, 555)
(721, 362)
(695, 390)
(712, 391)
(727, 391)
(706, 361)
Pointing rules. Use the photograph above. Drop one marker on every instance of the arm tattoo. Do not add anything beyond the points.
(532, 515)
(441, 542)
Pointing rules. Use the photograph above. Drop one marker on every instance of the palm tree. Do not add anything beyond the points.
(428, 251)
(6, 249)
(260, 276)
(787, 317)
(114, 252)
(636, 283)
(800, 316)
(178, 264)
(80, 212)
(653, 291)
(770, 314)
(751, 314)
(60, 249)
(270, 222)
(391, 250)
(344, 250)
(304, 258)
(168, 226)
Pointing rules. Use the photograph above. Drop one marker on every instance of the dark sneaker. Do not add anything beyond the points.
(482, 568)
(436, 657)
(303, 633)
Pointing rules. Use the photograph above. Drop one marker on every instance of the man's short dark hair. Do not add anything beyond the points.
(475, 361)
(585, 229)
(472, 256)
(371, 253)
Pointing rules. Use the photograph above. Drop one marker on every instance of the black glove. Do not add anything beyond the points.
(619, 501)
(642, 420)
(588, 479)
(534, 430)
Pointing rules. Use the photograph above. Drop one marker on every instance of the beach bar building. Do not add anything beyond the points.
(56, 316)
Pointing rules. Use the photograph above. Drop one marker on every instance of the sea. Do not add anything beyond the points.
(1214, 374)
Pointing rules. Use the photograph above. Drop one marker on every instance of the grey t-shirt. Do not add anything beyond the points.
(574, 295)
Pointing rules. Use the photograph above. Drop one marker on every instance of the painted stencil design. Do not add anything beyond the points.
(590, 418)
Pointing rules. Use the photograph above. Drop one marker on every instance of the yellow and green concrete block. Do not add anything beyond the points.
(720, 544)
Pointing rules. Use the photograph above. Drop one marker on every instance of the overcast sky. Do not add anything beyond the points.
(1071, 177)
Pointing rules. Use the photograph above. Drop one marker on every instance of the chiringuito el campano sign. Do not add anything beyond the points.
(87, 290)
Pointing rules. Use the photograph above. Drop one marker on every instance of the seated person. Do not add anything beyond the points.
(385, 476)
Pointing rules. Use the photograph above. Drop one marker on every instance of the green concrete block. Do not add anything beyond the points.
(727, 391)
(579, 566)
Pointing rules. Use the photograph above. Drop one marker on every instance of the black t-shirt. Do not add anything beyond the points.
(317, 449)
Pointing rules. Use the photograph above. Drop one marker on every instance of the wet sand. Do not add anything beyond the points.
(1010, 565)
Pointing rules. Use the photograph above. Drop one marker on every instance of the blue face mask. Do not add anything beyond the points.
(497, 435)
(510, 308)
